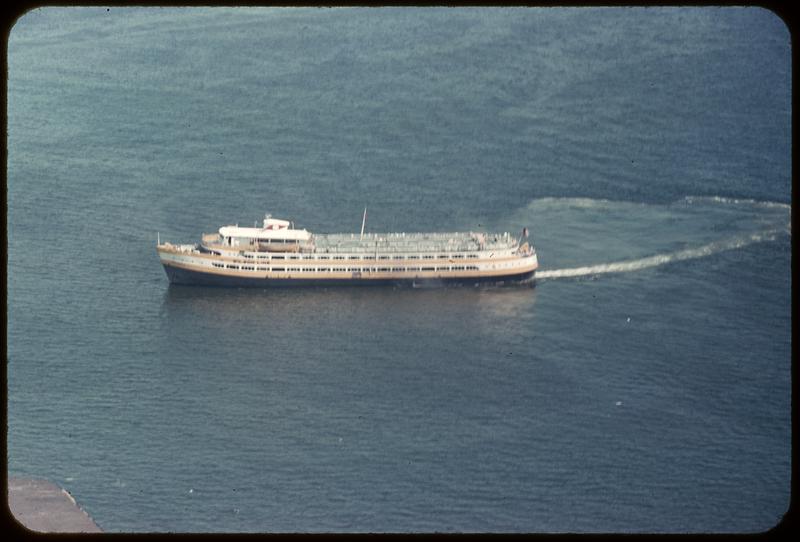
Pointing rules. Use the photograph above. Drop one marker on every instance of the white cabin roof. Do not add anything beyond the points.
(263, 233)
(275, 223)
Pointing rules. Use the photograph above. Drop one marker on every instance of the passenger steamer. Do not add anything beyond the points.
(277, 254)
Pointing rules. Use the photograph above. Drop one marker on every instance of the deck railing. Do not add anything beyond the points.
(454, 242)
(413, 242)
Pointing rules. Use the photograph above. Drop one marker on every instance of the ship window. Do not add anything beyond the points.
(277, 257)
(383, 269)
(429, 269)
(427, 257)
(262, 268)
(278, 269)
(354, 257)
(338, 257)
(443, 256)
(473, 255)
(323, 269)
(322, 257)
(458, 255)
(369, 257)
(398, 268)
(383, 257)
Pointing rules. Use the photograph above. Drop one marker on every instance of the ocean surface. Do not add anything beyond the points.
(643, 385)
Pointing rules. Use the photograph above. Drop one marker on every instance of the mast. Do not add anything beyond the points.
(363, 222)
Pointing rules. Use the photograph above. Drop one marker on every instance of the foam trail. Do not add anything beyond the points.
(659, 259)
(736, 201)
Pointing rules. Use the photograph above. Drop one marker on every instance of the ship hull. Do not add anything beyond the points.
(183, 276)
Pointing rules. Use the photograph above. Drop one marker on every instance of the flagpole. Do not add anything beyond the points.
(363, 222)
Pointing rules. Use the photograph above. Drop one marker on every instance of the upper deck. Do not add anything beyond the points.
(277, 236)
(411, 242)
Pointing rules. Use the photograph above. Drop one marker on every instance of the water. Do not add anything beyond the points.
(642, 386)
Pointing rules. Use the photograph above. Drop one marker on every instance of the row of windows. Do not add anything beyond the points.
(273, 241)
(321, 257)
(351, 269)
(253, 241)
(362, 257)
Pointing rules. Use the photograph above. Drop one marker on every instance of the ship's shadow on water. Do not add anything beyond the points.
(233, 301)
(190, 309)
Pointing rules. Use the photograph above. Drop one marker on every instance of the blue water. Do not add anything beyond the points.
(642, 386)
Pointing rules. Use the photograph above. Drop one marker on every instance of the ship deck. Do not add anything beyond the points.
(412, 242)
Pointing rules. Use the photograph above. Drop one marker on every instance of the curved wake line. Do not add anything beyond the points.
(660, 259)
(736, 201)
(603, 202)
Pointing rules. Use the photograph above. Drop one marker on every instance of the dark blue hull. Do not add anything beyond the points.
(178, 275)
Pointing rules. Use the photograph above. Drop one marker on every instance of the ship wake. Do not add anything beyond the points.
(658, 259)
(573, 233)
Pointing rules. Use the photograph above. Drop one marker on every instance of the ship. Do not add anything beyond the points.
(277, 254)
